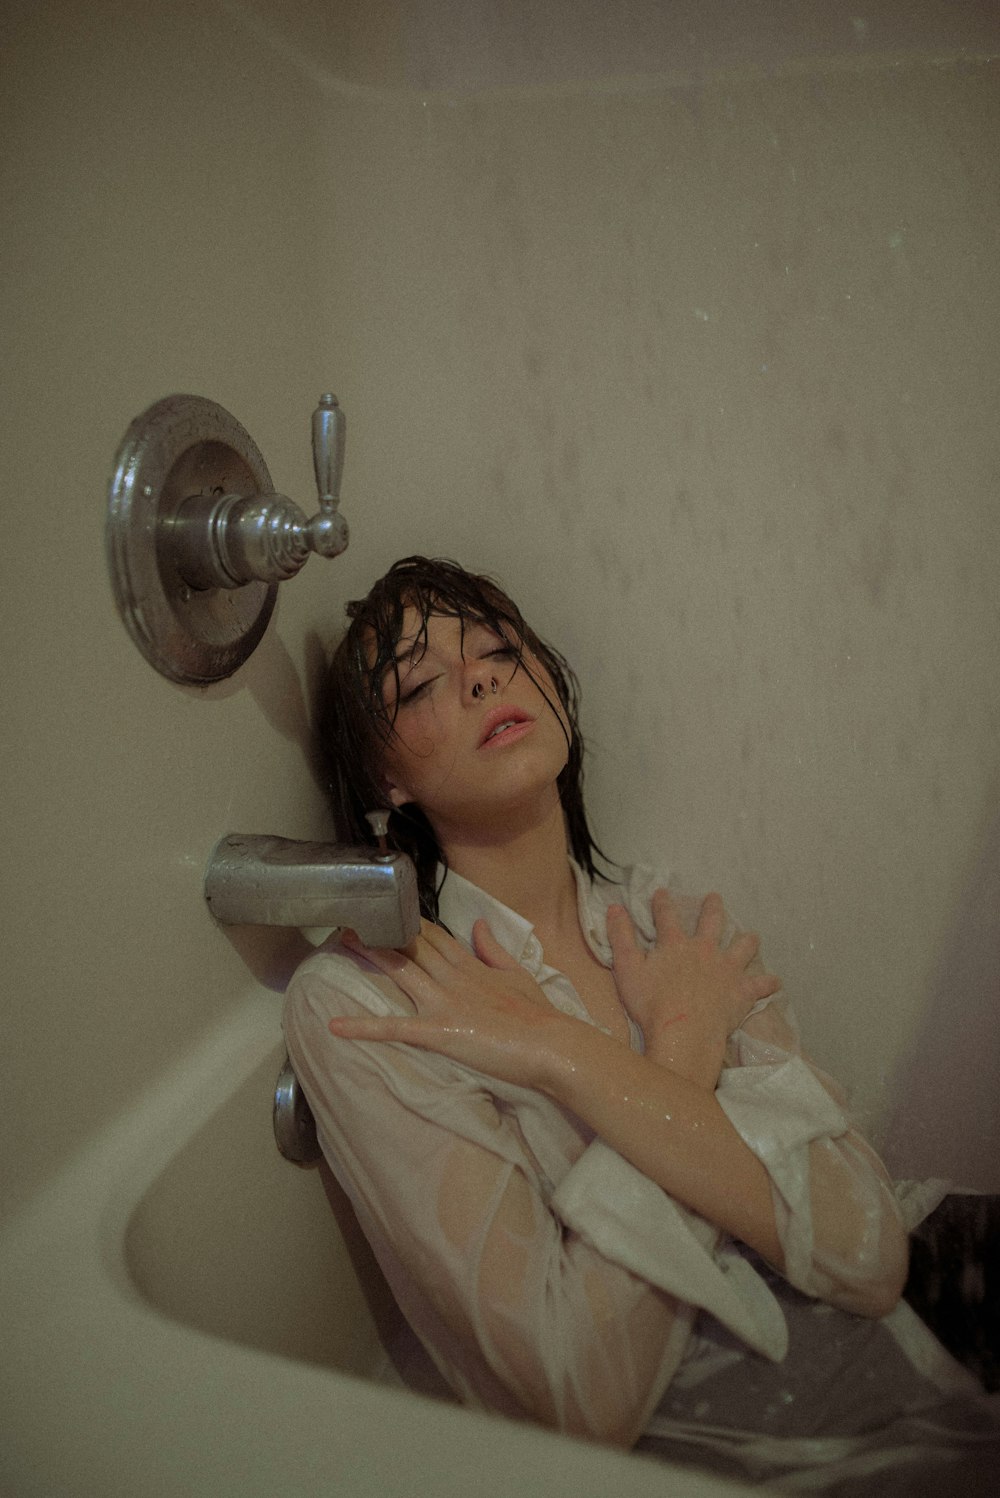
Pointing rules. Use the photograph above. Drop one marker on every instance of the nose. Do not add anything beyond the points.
(481, 680)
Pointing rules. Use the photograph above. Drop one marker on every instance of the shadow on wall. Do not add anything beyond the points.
(272, 953)
(952, 1075)
(317, 656)
(271, 678)
(269, 953)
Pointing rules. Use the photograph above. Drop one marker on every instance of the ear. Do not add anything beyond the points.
(396, 795)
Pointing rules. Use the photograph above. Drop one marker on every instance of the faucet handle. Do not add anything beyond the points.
(329, 438)
(228, 541)
(326, 532)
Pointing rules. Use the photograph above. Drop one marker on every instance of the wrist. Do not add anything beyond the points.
(689, 1049)
(569, 1069)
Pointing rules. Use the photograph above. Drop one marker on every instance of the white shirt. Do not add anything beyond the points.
(545, 1275)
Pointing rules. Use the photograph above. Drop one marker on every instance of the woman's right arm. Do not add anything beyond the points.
(521, 1314)
(664, 1118)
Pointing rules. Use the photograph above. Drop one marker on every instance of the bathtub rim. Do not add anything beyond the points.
(101, 1393)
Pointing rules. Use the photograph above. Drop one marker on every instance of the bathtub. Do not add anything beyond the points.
(185, 1313)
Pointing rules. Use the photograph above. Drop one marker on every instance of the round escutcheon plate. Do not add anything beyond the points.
(181, 447)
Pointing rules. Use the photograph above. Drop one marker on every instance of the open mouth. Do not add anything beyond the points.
(503, 724)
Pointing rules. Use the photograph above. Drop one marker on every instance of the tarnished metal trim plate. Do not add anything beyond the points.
(294, 1125)
(180, 447)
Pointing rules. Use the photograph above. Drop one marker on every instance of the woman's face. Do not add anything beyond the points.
(476, 741)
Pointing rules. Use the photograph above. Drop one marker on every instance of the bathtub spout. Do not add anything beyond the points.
(254, 880)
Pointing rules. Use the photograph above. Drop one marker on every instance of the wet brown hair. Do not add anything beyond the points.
(356, 726)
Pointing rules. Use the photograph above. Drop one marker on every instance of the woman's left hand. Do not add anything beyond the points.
(687, 993)
(483, 1010)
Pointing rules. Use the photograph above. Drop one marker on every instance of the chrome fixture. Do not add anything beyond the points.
(254, 880)
(293, 1121)
(197, 539)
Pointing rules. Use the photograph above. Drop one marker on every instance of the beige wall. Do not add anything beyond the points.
(166, 236)
(706, 373)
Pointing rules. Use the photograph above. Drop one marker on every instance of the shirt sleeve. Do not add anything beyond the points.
(836, 1212)
(518, 1310)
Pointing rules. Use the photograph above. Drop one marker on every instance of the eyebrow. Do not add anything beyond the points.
(410, 652)
(404, 655)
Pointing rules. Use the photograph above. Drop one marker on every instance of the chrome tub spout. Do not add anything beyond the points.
(255, 880)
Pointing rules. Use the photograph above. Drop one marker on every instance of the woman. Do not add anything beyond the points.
(606, 1186)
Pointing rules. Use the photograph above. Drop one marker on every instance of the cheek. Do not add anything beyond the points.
(417, 756)
(546, 689)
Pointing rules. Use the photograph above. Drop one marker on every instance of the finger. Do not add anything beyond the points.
(621, 937)
(409, 973)
(665, 917)
(389, 1027)
(444, 943)
(711, 918)
(744, 947)
(757, 986)
(427, 951)
(489, 950)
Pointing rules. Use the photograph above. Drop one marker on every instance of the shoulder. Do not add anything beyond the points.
(333, 981)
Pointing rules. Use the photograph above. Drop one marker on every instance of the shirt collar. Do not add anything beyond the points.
(461, 904)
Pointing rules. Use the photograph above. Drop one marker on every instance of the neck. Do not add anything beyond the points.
(525, 866)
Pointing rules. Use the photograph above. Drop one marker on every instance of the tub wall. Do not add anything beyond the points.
(703, 355)
(163, 165)
(700, 360)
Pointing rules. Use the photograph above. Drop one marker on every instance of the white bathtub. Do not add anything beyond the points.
(183, 1315)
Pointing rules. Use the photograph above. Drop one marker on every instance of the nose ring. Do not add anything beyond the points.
(478, 690)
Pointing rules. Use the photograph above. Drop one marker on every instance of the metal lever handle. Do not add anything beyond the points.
(225, 541)
(327, 531)
(329, 434)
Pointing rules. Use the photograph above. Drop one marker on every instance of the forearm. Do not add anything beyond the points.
(830, 1217)
(669, 1127)
(675, 1131)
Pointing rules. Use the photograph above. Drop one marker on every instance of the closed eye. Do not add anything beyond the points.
(413, 692)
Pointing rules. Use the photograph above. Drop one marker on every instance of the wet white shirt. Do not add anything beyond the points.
(545, 1275)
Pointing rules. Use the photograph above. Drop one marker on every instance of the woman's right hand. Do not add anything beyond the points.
(481, 1008)
(687, 993)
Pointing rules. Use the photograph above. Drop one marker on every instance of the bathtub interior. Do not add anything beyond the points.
(233, 1240)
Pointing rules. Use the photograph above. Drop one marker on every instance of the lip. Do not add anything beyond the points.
(519, 720)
